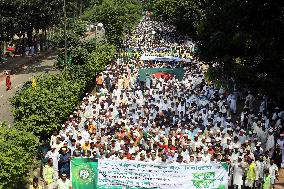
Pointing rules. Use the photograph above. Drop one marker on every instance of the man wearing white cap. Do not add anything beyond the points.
(54, 155)
(242, 136)
(270, 142)
(280, 143)
(238, 172)
(63, 183)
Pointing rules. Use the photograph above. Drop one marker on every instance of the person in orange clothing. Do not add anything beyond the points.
(99, 81)
(86, 146)
(92, 128)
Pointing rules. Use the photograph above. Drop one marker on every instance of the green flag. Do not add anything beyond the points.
(84, 173)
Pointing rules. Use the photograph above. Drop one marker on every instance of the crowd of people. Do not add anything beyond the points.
(166, 120)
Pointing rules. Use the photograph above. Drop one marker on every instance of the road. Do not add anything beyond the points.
(24, 71)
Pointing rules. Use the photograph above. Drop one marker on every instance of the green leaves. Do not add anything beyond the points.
(20, 16)
(250, 32)
(17, 149)
(118, 16)
(42, 109)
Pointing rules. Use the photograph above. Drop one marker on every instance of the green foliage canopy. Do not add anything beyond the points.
(119, 17)
(243, 37)
(17, 149)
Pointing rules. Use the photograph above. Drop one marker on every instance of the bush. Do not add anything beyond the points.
(17, 150)
(43, 108)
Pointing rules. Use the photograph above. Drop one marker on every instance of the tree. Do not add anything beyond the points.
(118, 17)
(248, 46)
(17, 150)
(243, 37)
(183, 14)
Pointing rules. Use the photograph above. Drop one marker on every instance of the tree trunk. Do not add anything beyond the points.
(30, 38)
(81, 7)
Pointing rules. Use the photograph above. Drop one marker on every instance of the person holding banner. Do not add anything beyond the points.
(49, 175)
(63, 183)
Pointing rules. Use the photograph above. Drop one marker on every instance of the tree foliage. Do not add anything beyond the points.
(20, 16)
(75, 32)
(42, 109)
(184, 14)
(17, 150)
(118, 17)
(244, 37)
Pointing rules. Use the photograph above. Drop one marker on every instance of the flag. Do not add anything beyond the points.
(84, 173)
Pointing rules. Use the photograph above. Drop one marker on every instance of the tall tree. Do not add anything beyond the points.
(118, 17)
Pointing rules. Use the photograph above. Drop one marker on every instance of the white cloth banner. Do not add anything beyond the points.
(163, 176)
(145, 57)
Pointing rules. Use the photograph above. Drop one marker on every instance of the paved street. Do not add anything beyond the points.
(25, 69)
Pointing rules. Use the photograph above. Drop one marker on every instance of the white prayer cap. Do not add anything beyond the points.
(208, 140)
(209, 144)
(246, 141)
(200, 131)
(120, 151)
(242, 130)
(218, 130)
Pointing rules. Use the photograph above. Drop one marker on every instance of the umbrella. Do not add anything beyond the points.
(163, 74)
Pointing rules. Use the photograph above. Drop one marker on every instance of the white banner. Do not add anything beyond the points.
(163, 176)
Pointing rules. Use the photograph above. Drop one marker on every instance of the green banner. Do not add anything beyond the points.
(84, 173)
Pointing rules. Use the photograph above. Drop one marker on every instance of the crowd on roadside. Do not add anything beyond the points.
(162, 120)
